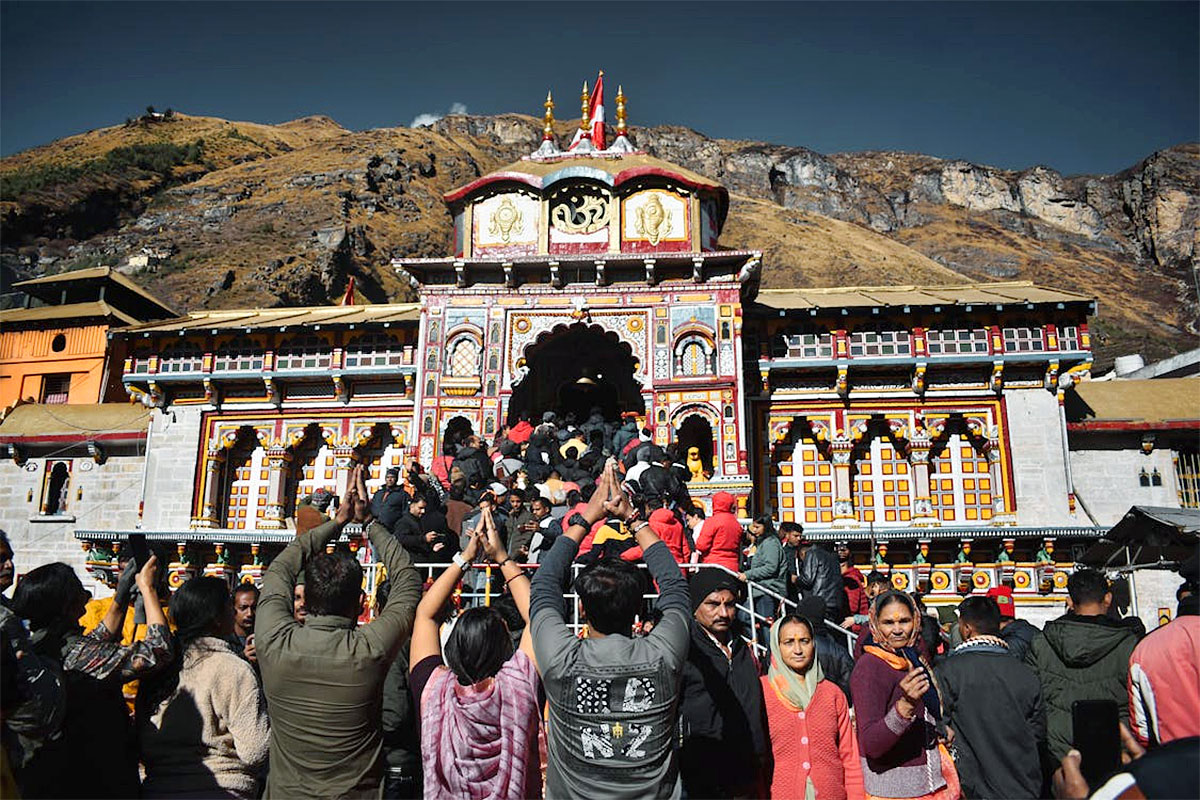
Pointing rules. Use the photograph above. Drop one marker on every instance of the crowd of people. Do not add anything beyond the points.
(671, 689)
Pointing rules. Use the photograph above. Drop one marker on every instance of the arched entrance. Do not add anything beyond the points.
(575, 369)
(693, 428)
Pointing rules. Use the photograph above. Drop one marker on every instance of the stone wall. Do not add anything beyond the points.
(1106, 478)
(173, 448)
(99, 496)
(1039, 467)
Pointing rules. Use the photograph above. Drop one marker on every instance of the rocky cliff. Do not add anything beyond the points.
(220, 214)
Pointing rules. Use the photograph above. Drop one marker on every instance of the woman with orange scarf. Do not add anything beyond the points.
(897, 708)
(812, 737)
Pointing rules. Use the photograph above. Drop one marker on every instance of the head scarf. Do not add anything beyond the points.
(794, 690)
(905, 657)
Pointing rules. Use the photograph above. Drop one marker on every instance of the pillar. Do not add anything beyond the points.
(278, 459)
(210, 504)
(844, 515)
(918, 455)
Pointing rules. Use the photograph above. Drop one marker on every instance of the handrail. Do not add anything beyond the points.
(472, 595)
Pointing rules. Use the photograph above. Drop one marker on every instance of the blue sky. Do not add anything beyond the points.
(1081, 87)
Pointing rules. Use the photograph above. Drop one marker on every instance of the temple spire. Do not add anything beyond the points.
(621, 144)
(620, 110)
(548, 147)
(548, 126)
(582, 142)
(585, 102)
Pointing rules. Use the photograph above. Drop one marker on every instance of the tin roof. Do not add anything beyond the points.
(1134, 404)
(46, 287)
(236, 319)
(72, 311)
(36, 421)
(893, 296)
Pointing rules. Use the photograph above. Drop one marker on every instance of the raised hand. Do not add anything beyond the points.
(490, 538)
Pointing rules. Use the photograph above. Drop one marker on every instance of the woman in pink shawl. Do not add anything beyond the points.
(478, 703)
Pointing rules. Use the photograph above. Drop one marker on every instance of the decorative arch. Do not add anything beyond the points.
(699, 425)
(464, 352)
(694, 354)
(804, 471)
(963, 487)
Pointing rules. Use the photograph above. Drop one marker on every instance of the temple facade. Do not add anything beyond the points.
(925, 425)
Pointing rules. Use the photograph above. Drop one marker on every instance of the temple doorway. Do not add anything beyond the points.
(696, 431)
(576, 369)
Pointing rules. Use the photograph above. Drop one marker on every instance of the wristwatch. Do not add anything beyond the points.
(578, 519)
(459, 561)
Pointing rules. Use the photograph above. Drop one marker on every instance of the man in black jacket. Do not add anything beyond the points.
(389, 503)
(425, 546)
(722, 715)
(993, 703)
(814, 571)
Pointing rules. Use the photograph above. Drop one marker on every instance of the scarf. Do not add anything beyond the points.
(476, 740)
(795, 691)
(982, 642)
(905, 657)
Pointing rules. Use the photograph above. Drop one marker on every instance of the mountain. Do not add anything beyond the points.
(223, 214)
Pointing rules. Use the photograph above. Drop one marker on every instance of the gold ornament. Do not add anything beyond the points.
(505, 219)
(548, 126)
(580, 214)
(652, 220)
(620, 111)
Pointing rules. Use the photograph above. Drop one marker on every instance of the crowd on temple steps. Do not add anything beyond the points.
(473, 679)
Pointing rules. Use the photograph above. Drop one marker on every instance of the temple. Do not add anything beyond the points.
(925, 425)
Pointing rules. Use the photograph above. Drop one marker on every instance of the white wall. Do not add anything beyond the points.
(1039, 468)
(110, 494)
(173, 449)
(1107, 480)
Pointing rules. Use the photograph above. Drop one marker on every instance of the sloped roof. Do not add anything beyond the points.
(611, 169)
(278, 318)
(39, 286)
(70, 311)
(91, 421)
(893, 296)
(1134, 404)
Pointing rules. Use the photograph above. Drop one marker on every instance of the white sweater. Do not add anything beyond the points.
(209, 738)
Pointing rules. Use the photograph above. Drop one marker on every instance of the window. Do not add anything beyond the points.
(56, 485)
(880, 343)
(805, 484)
(1068, 338)
(462, 359)
(960, 341)
(241, 353)
(1187, 475)
(807, 345)
(59, 343)
(55, 388)
(1023, 340)
(883, 486)
(960, 484)
(182, 357)
(374, 350)
(695, 357)
(304, 352)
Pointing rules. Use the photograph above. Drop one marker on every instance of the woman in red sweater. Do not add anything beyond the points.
(812, 737)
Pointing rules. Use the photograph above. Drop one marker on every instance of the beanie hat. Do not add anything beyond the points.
(1003, 596)
(707, 581)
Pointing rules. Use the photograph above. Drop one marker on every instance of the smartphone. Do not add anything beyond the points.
(1097, 737)
(139, 549)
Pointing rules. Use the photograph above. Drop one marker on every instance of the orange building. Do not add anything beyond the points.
(55, 348)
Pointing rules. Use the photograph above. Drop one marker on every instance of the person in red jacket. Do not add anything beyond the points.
(720, 540)
(668, 527)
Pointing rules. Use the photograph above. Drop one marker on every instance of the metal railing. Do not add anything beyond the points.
(477, 589)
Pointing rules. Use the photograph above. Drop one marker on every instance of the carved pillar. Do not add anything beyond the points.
(210, 504)
(843, 497)
(918, 454)
(278, 460)
(1000, 512)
